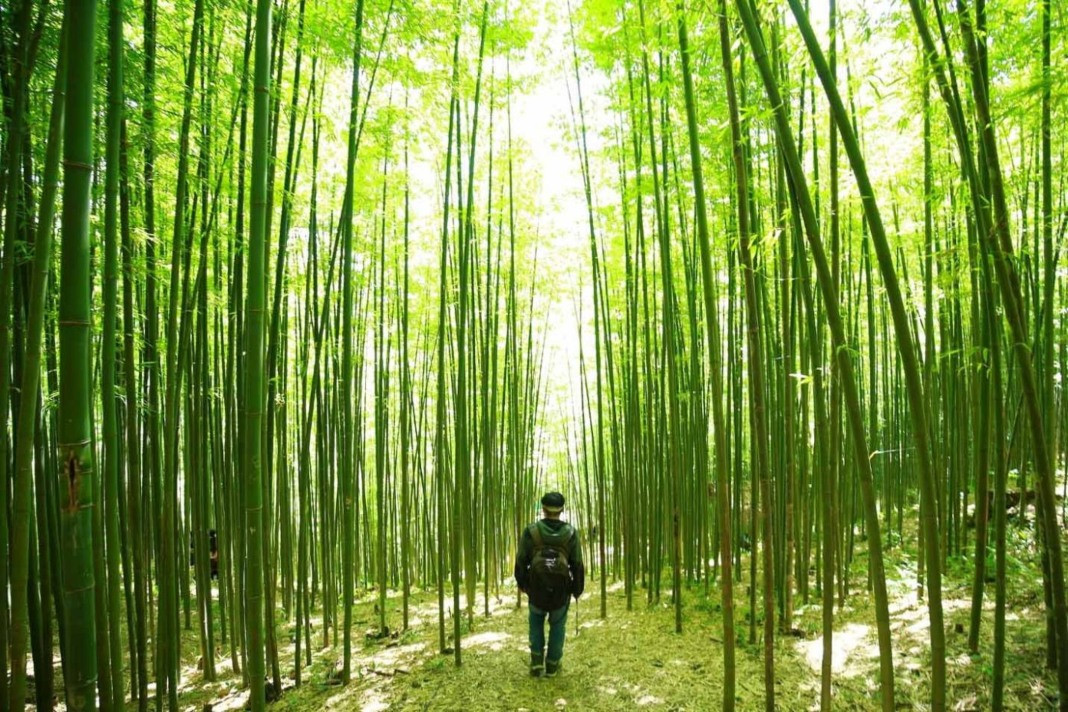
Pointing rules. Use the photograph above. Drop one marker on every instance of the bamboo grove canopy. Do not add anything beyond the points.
(303, 304)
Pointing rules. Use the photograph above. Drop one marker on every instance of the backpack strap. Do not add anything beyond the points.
(535, 534)
(570, 543)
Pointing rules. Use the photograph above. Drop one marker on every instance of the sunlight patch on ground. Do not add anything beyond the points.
(234, 701)
(961, 660)
(390, 656)
(560, 703)
(850, 646)
(372, 700)
(491, 638)
(343, 699)
(914, 618)
(428, 612)
(191, 676)
(642, 697)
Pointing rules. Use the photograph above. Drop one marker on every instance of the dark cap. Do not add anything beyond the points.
(553, 502)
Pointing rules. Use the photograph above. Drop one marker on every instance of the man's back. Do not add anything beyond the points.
(549, 569)
(552, 537)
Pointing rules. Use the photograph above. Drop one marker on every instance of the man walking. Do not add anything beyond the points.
(548, 568)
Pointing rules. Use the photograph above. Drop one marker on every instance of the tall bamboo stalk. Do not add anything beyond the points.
(843, 358)
(714, 351)
(77, 487)
(345, 475)
(254, 363)
(28, 415)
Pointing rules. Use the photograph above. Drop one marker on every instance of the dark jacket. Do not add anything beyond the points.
(553, 531)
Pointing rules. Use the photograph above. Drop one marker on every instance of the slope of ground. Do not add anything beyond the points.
(633, 660)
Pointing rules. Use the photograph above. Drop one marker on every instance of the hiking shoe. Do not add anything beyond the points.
(537, 664)
(552, 668)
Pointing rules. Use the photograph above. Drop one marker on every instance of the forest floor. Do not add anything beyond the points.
(634, 660)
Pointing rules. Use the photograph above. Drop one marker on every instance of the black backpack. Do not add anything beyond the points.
(550, 570)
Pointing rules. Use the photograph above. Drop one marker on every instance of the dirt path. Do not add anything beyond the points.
(632, 660)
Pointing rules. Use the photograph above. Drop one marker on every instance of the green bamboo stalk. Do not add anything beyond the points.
(31, 372)
(150, 356)
(254, 367)
(406, 395)
(111, 499)
(15, 202)
(77, 492)
(381, 406)
(198, 463)
(597, 321)
(317, 320)
(1000, 483)
(168, 579)
(288, 185)
(914, 386)
(1049, 260)
(44, 674)
(18, 79)
(755, 352)
(462, 456)
(135, 525)
(1002, 250)
(847, 381)
(712, 324)
(345, 473)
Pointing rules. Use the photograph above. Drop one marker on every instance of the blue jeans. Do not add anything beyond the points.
(557, 628)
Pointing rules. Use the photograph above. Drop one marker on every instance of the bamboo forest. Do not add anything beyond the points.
(312, 310)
